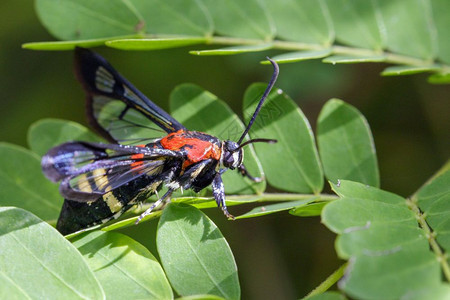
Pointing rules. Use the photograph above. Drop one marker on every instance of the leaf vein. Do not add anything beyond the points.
(201, 262)
(123, 271)
(45, 266)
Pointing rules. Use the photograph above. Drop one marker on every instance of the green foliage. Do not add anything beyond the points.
(124, 268)
(344, 133)
(48, 133)
(411, 34)
(195, 255)
(379, 233)
(36, 262)
(396, 247)
(23, 185)
(294, 166)
(433, 201)
(274, 208)
(383, 235)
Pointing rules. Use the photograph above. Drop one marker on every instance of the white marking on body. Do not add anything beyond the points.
(112, 202)
(206, 150)
(196, 172)
(236, 159)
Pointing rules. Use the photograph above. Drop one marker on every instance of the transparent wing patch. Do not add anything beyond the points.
(114, 105)
(124, 124)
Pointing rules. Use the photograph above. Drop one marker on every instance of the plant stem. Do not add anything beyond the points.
(341, 50)
(329, 282)
(442, 257)
(265, 197)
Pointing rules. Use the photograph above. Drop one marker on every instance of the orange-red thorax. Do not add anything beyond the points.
(195, 143)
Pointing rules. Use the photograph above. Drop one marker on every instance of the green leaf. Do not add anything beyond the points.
(292, 164)
(378, 232)
(70, 45)
(373, 274)
(124, 268)
(200, 110)
(361, 204)
(357, 23)
(37, 262)
(22, 183)
(350, 189)
(274, 208)
(340, 59)
(412, 33)
(310, 210)
(408, 28)
(244, 19)
(345, 144)
(302, 21)
(233, 50)
(130, 221)
(175, 17)
(438, 292)
(47, 133)
(201, 297)
(441, 19)
(407, 70)
(155, 43)
(196, 257)
(299, 56)
(440, 78)
(85, 19)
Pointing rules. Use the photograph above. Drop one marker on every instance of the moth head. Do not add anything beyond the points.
(233, 155)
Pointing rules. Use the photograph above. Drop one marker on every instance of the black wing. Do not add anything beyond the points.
(89, 170)
(118, 110)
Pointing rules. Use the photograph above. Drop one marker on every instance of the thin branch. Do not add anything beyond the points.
(329, 282)
(431, 236)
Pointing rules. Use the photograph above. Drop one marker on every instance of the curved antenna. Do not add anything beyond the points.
(276, 70)
(269, 141)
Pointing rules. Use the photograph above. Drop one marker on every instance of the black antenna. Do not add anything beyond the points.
(276, 70)
(269, 141)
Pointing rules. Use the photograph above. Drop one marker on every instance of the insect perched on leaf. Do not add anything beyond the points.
(101, 181)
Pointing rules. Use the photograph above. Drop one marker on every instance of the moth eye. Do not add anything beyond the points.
(230, 160)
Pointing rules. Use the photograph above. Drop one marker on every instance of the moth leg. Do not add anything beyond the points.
(195, 172)
(219, 195)
(245, 173)
(154, 205)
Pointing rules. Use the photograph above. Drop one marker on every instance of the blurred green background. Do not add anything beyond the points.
(279, 255)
